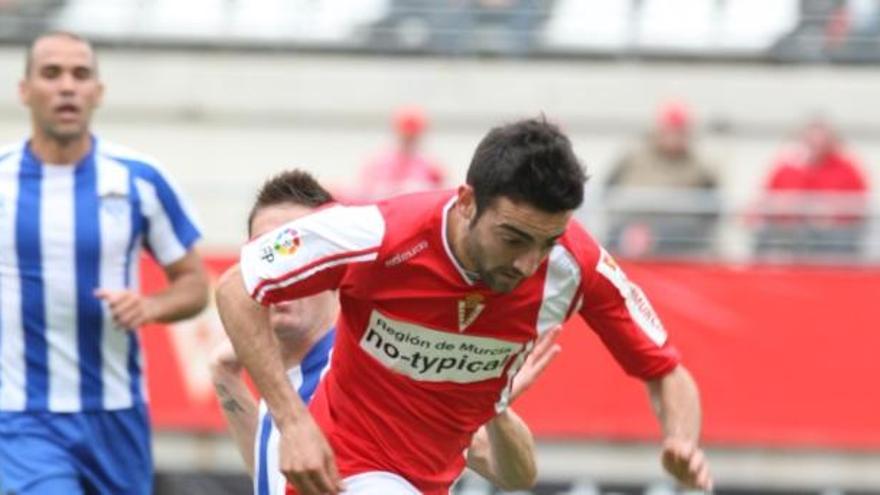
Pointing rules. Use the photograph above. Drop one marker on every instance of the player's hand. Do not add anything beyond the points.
(687, 463)
(130, 309)
(307, 459)
(545, 350)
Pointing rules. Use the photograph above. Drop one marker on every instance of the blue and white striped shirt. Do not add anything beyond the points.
(304, 378)
(65, 231)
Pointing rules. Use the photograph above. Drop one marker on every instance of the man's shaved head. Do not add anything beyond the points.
(29, 57)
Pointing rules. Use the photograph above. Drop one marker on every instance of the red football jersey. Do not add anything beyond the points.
(424, 355)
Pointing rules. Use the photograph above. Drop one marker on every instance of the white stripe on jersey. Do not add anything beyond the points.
(163, 240)
(105, 375)
(161, 237)
(276, 481)
(115, 224)
(140, 357)
(637, 303)
(356, 235)
(57, 239)
(261, 293)
(560, 287)
(116, 150)
(504, 399)
(12, 371)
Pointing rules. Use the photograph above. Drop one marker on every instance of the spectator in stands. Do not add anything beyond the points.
(403, 168)
(662, 194)
(815, 197)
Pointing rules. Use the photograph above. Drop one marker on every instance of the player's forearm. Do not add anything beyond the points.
(247, 324)
(676, 402)
(504, 453)
(185, 296)
(239, 408)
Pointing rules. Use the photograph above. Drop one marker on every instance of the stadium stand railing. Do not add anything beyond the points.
(789, 227)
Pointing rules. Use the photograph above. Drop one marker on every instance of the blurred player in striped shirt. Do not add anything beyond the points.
(75, 211)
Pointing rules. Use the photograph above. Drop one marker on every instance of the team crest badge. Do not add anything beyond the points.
(286, 242)
(469, 309)
(610, 262)
(115, 204)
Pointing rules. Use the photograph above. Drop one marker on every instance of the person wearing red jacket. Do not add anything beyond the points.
(815, 196)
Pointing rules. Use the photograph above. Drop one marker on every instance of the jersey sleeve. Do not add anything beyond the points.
(620, 313)
(171, 227)
(311, 254)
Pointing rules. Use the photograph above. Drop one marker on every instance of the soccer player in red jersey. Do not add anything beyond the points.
(443, 295)
(305, 337)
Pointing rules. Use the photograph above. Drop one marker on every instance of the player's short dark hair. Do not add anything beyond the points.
(528, 161)
(291, 186)
(29, 55)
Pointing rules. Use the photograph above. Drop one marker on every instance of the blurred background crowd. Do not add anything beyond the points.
(713, 128)
(722, 133)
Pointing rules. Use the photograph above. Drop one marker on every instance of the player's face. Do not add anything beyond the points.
(290, 319)
(673, 140)
(61, 88)
(509, 241)
(819, 139)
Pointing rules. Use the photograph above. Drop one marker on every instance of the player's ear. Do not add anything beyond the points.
(100, 94)
(24, 92)
(466, 203)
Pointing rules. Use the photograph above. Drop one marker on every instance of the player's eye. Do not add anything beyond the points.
(50, 72)
(82, 73)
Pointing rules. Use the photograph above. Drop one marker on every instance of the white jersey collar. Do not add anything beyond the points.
(444, 234)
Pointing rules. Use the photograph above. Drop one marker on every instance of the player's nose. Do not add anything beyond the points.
(527, 264)
(66, 82)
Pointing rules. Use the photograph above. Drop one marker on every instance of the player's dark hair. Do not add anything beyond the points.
(530, 161)
(291, 186)
(29, 55)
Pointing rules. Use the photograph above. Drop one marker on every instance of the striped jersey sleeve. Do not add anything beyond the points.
(170, 226)
(311, 254)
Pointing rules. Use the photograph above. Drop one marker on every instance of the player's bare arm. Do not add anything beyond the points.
(677, 404)
(185, 296)
(238, 405)
(546, 349)
(503, 450)
(306, 458)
